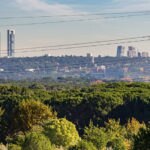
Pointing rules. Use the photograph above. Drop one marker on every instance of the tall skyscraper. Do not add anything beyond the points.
(120, 51)
(139, 54)
(10, 43)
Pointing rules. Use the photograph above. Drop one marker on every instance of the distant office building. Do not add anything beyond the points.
(120, 51)
(10, 43)
(47, 55)
(91, 58)
(89, 55)
(145, 54)
(139, 54)
(131, 52)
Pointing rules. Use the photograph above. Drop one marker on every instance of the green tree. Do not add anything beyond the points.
(16, 139)
(8, 119)
(84, 145)
(14, 147)
(142, 139)
(115, 135)
(32, 113)
(61, 132)
(116, 144)
(95, 135)
(114, 129)
(37, 141)
(133, 126)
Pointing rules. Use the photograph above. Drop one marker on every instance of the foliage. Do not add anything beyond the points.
(114, 129)
(14, 147)
(142, 139)
(116, 144)
(128, 103)
(83, 145)
(133, 126)
(95, 135)
(32, 113)
(16, 139)
(1, 111)
(37, 141)
(61, 132)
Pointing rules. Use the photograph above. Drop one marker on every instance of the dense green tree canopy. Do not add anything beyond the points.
(29, 107)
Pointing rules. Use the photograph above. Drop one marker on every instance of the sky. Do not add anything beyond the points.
(73, 32)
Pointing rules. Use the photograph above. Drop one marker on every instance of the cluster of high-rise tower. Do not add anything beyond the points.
(131, 52)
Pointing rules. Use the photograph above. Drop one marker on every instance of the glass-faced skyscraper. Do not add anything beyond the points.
(120, 51)
(10, 43)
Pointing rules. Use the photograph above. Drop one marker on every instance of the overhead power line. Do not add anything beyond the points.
(74, 20)
(77, 15)
(84, 44)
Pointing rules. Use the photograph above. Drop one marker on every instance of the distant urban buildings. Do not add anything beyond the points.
(145, 54)
(10, 43)
(131, 52)
(139, 54)
(120, 51)
(91, 57)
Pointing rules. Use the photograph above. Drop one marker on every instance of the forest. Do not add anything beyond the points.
(99, 116)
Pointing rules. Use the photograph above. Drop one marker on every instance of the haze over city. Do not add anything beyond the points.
(76, 31)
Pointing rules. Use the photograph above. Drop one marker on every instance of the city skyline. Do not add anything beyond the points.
(130, 52)
(62, 33)
(122, 51)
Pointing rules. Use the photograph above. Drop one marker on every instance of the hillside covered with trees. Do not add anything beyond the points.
(106, 116)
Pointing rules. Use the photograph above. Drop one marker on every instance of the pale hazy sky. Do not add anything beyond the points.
(64, 33)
